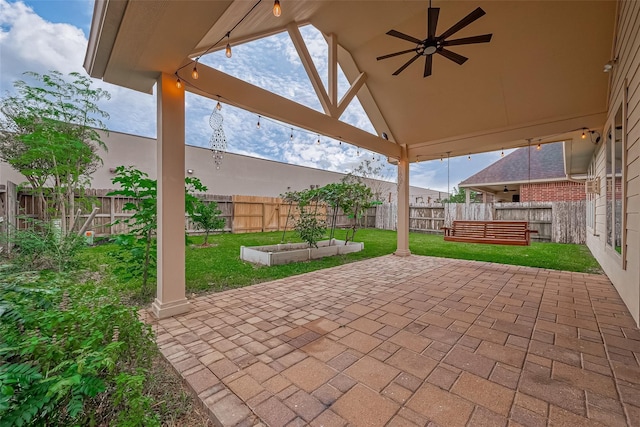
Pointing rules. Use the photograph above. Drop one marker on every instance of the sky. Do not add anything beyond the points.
(46, 35)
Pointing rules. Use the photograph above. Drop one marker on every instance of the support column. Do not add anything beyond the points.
(467, 195)
(403, 205)
(170, 297)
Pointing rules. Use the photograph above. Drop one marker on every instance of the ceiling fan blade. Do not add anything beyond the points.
(391, 55)
(428, 64)
(433, 13)
(485, 38)
(403, 36)
(459, 59)
(463, 23)
(409, 62)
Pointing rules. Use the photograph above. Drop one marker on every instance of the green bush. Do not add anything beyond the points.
(310, 227)
(69, 353)
(40, 246)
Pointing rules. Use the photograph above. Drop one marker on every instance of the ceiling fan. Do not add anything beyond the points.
(506, 190)
(436, 44)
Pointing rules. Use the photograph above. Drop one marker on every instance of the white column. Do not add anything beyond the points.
(170, 297)
(403, 205)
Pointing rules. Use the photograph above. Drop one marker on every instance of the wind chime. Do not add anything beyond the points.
(218, 142)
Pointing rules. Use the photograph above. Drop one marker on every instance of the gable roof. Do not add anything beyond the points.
(546, 164)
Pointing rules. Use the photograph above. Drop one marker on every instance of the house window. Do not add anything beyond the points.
(591, 199)
(609, 184)
(614, 175)
(618, 181)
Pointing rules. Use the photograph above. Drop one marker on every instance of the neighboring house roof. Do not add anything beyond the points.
(545, 164)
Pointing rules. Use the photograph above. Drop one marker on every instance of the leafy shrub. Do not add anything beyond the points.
(310, 227)
(68, 353)
(40, 246)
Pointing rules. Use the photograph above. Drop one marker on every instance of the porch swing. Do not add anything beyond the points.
(496, 232)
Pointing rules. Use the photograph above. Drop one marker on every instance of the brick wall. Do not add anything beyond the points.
(565, 191)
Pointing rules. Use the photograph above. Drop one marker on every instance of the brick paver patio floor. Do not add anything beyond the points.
(415, 341)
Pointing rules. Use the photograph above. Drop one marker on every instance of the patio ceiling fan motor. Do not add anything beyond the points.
(436, 44)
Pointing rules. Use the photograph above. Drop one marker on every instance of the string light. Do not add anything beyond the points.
(178, 83)
(277, 10)
(469, 157)
(502, 153)
(194, 72)
(584, 135)
(227, 50)
(440, 158)
(258, 124)
(218, 106)
(538, 147)
(291, 136)
(318, 142)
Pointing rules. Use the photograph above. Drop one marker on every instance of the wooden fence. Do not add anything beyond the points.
(242, 214)
(560, 222)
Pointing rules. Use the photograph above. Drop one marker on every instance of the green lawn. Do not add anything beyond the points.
(219, 267)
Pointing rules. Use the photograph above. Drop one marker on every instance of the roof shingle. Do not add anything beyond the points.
(547, 163)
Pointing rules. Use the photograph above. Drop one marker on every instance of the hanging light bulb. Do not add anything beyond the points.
(218, 106)
(291, 136)
(440, 158)
(194, 73)
(469, 157)
(318, 141)
(502, 153)
(538, 147)
(358, 152)
(258, 125)
(179, 83)
(340, 143)
(277, 10)
(227, 50)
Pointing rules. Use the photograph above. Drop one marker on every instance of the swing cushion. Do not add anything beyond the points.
(495, 232)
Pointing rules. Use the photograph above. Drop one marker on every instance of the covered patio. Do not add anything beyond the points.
(412, 341)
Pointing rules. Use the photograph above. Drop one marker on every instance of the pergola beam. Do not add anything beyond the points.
(310, 68)
(217, 85)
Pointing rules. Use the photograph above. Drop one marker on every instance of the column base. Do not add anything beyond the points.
(163, 310)
(402, 252)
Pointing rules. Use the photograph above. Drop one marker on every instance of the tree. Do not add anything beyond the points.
(371, 172)
(459, 196)
(206, 216)
(143, 202)
(49, 133)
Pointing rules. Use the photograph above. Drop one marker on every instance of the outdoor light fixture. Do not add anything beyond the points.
(609, 65)
(178, 83)
(190, 171)
(384, 135)
(194, 73)
(277, 10)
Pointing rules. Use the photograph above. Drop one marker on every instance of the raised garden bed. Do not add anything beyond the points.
(294, 252)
